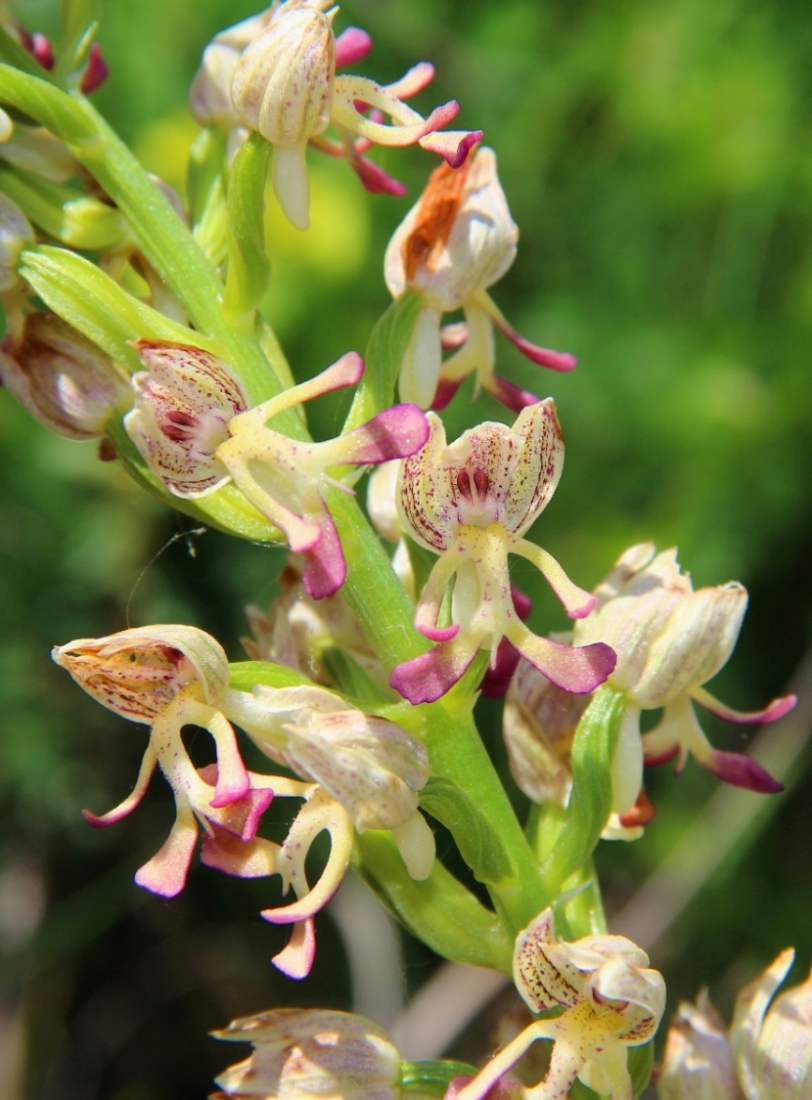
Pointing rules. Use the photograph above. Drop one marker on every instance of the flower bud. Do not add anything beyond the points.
(63, 379)
(539, 724)
(371, 766)
(283, 82)
(772, 1043)
(37, 151)
(667, 637)
(16, 232)
(184, 401)
(283, 89)
(138, 672)
(210, 95)
(698, 1062)
(308, 1053)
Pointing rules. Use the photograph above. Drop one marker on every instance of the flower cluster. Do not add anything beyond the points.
(275, 74)
(358, 771)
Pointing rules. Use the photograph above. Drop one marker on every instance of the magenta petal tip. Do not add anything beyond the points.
(656, 759)
(741, 770)
(352, 45)
(458, 158)
(438, 633)
(428, 677)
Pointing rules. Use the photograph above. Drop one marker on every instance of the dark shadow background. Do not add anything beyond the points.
(657, 155)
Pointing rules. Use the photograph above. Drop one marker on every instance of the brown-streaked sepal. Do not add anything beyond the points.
(138, 672)
(184, 401)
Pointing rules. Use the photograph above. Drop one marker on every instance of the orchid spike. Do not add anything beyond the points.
(611, 1000)
(670, 640)
(454, 243)
(168, 677)
(276, 74)
(471, 502)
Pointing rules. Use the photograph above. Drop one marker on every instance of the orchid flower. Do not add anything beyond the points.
(611, 1000)
(168, 677)
(453, 244)
(766, 1054)
(192, 424)
(310, 1053)
(276, 74)
(669, 641)
(471, 502)
(367, 773)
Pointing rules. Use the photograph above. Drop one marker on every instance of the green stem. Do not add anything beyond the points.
(385, 613)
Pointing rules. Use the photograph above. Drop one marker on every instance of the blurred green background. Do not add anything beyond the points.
(657, 156)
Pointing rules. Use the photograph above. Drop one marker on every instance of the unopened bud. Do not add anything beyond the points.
(184, 402)
(539, 724)
(138, 672)
(772, 1043)
(311, 1054)
(16, 232)
(210, 96)
(39, 152)
(283, 89)
(371, 766)
(698, 1062)
(63, 379)
(282, 85)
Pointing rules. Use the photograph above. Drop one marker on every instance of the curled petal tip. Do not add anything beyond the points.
(438, 633)
(296, 960)
(773, 711)
(513, 397)
(444, 394)
(352, 45)
(741, 770)
(428, 677)
(583, 610)
(375, 180)
(654, 760)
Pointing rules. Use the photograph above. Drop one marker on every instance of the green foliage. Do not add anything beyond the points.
(480, 845)
(591, 799)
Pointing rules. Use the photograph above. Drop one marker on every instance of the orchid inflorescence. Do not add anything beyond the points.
(359, 692)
